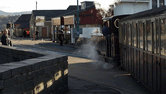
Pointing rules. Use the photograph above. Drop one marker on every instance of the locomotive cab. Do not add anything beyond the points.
(112, 46)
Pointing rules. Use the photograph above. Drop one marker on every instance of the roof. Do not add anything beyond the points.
(147, 13)
(131, 1)
(48, 13)
(24, 25)
(23, 18)
(72, 10)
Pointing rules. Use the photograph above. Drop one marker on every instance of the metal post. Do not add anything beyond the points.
(77, 17)
(36, 5)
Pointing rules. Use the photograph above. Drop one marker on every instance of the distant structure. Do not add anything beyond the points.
(22, 24)
(125, 7)
(36, 5)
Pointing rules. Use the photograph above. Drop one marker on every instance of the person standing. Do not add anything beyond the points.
(4, 38)
(27, 33)
(37, 34)
(61, 38)
(106, 32)
(24, 33)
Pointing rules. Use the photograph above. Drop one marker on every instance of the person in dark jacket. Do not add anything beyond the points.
(61, 38)
(37, 33)
(4, 38)
(24, 33)
(106, 32)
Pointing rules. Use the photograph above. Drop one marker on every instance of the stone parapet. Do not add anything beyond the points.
(35, 73)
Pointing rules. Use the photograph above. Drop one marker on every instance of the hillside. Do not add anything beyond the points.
(14, 13)
(5, 19)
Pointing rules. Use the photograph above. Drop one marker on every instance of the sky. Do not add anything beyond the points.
(29, 5)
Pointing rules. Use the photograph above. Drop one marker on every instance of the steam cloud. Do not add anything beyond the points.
(89, 49)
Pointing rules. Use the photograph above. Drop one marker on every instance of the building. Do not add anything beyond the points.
(22, 24)
(89, 16)
(126, 7)
(41, 21)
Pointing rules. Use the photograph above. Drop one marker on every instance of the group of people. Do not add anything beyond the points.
(5, 40)
(26, 34)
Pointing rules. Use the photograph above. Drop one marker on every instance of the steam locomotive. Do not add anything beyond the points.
(138, 43)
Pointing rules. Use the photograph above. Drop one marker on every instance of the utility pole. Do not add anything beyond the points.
(77, 17)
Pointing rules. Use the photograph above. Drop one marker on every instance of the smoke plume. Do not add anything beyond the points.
(89, 49)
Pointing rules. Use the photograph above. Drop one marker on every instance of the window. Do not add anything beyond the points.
(134, 34)
(137, 36)
(83, 5)
(154, 4)
(154, 37)
(157, 37)
(120, 34)
(161, 2)
(148, 39)
(124, 34)
(163, 37)
(140, 34)
(143, 36)
(129, 34)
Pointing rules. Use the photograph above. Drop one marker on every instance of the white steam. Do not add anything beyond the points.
(89, 50)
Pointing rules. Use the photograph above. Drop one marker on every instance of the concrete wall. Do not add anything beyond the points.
(40, 75)
(10, 55)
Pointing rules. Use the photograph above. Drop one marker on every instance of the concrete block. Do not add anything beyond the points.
(47, 70)
(38, 80)
(59, 66)
(21, 78)
(9, 90)
(54, 68)
(19, 89)
(65, 79)
(63, 58)
(1, 84)
(39, 89)
(16, 71)
(40, 72)
(31, 75)
(21, 57)
(5, 74)
(55, 61)
(49, 62)
(10, 82)
(29, 92)
(43, 64)
(16, 68)
(20, 52)
(65, 65)
(28, 86)
(29, 68)
(36, 66)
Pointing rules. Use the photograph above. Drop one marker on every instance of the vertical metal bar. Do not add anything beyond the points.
(36, 5)
(77, 16)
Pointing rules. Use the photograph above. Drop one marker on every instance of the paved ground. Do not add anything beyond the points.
(87, 76)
